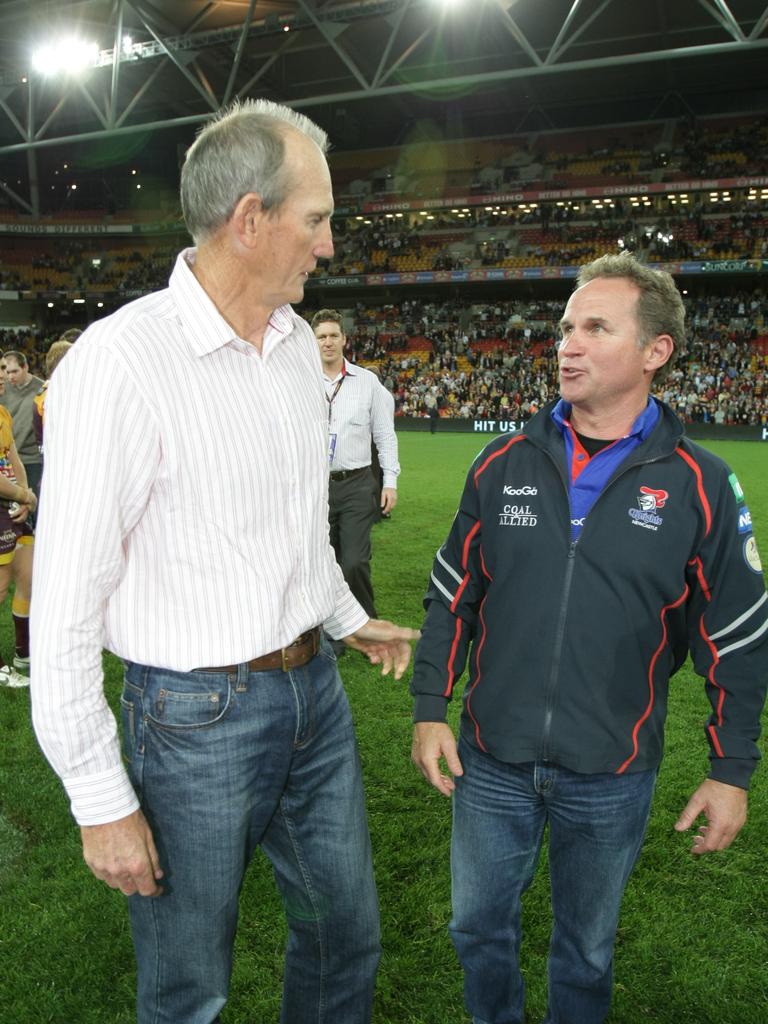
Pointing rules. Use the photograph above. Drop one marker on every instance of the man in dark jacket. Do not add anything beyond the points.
(589, 555)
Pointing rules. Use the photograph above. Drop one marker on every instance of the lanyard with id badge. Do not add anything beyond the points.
(332, 438)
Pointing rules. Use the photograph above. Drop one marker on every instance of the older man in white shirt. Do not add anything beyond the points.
(184, 528)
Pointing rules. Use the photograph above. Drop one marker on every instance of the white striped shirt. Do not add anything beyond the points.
(184, 517)
(362, 409)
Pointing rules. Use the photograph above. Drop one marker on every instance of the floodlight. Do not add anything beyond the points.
(68, 56)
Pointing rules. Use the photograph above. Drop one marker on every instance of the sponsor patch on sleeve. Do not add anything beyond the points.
(751, 555)
(736, 487)
(745, 520)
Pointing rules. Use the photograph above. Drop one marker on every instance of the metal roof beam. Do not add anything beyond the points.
(330, 38)
(515, 31)
(396, 25)
(403, 88)
(207, 95)
(760, 24)
(562, 33)
(724, 17)
(239, 53)
(553, 56)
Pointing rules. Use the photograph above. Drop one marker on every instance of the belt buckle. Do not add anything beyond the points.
(283, 660)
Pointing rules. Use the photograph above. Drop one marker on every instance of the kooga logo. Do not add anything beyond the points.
(519, 490)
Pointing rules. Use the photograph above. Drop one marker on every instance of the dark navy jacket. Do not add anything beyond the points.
(571, 644)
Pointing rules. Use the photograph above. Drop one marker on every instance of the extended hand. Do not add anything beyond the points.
(385, 644)
(431, 741)
(122, 853)
(724, 807)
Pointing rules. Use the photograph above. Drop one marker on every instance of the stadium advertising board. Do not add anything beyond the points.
(523, 273)
(588, 192)
(455, 425)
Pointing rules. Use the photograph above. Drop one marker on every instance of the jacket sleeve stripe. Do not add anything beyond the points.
(742, 618)
(651, 667)
(446, 593)
(483, 466)
(743, 643)
(448, 568)
(451, 659)
(700, 486)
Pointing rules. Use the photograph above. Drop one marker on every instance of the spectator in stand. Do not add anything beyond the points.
(53, 357)
(19, 400)
(17, 500)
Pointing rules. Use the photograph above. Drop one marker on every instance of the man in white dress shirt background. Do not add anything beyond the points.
(184, 528)
(360, 411)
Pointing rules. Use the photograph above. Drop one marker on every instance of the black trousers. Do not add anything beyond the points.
(353, 505)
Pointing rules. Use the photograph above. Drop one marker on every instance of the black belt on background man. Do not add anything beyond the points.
(347, 474)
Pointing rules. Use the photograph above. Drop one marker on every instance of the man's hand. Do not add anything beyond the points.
(724, 807)
(385, 644)
(388, 499)
(431, 741)
(122, 853)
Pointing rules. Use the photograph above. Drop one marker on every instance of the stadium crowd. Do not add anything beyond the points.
(497, 360)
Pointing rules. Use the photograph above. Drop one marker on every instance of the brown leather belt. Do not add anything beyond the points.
(294, 656)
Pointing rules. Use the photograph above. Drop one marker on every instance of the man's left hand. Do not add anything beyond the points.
(388, 499)
(725, 809)
(385, 644)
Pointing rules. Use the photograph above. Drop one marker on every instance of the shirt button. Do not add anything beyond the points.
(580, 457)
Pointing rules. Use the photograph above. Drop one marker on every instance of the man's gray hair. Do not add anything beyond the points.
(242, 150)
(660, 308)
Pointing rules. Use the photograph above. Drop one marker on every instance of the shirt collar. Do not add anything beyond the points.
(204, 326)
(641, 428)
(347, 368)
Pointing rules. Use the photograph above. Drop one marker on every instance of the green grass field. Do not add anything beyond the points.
(693, 940)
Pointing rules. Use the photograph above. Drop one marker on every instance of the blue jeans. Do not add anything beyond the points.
(596, 829)
(224, 763)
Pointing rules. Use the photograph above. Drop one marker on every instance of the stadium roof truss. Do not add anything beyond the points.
(169, 63)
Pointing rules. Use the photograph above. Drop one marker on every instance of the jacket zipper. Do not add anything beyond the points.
(549, 696)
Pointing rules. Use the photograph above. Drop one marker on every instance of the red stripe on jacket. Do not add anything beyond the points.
(478, 650)
(651, 667)
(451, 659)
(700, 487)
(464, 561)
(501, 451)
(707, 592)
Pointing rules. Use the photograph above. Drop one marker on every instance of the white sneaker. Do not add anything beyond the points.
(11, 678)
(21, 664)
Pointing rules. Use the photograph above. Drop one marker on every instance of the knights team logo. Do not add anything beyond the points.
(649, 501)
